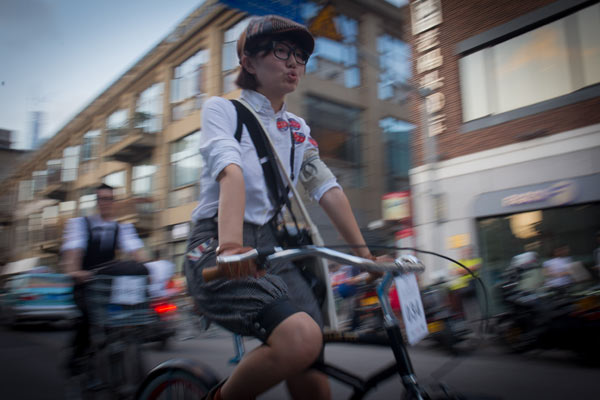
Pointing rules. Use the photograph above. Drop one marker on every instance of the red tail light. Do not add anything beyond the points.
(27, 297)
(164, 308)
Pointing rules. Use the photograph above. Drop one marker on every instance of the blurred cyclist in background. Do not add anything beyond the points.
(87, 243)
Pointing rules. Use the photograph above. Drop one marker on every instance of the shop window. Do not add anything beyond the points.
(394, 69)
(396, 138)
(188, 86)
(335, 60)
(230, 61)
(553, 60)
(503, 237)
(335, 127)
(116, 126)
(149, 109)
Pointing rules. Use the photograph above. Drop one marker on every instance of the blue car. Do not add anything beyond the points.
(38, 297)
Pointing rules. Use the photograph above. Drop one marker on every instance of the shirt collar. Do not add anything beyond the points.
(260, 103)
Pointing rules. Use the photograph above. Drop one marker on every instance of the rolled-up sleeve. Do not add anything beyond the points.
(75, 235)
(129, 241)
(218, 146)
(315, 176)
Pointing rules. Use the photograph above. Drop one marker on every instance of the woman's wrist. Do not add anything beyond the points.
(227, 246)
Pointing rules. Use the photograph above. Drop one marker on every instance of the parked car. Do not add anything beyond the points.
(38, 297)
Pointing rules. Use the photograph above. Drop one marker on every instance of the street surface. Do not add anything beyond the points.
(31, 359)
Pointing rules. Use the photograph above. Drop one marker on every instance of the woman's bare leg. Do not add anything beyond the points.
(292, 347)
(309, 385)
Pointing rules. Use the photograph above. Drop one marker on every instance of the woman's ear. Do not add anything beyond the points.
(248, 64)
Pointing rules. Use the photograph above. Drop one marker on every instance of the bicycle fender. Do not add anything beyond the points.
(194, 367)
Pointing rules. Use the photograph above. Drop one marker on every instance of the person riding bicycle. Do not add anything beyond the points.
(87, 243)
(235, 214)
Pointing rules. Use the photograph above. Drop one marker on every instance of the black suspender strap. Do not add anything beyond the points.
(277, 189)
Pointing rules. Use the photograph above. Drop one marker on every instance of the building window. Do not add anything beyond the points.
(87, 202)
(116, 126)
(54, 168)
(89, 148)
(39, 180)
(548, 62)
(186, 164)
(178, 249)
(70, 163)
(394, 68)
(335, 127)
(118, 181)
(397, 3)
(397, 136)
(25, 191)
(142, 180)
(149, 109)
(188, 86)
(335, 60)
(230, 61)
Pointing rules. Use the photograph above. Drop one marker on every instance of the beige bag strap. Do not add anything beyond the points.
(322, 270)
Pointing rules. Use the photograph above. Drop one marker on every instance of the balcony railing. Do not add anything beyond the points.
(136, 210)
(129, 145)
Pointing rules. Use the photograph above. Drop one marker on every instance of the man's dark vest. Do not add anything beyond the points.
(94, 255)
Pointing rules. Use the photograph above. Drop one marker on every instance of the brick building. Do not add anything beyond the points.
(507, 154)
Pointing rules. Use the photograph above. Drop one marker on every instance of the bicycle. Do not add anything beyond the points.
(119, 312)
(179, 378)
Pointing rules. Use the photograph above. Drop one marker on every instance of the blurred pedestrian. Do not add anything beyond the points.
(87, 243)
(557, 269)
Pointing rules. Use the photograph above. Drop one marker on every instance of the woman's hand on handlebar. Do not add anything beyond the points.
(373, 276)
(238, 269)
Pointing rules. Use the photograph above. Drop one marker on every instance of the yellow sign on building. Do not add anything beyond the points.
(324, 25)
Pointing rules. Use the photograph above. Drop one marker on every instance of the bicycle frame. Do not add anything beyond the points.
(402, 365)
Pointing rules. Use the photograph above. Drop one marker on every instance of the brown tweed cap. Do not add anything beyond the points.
(274, 25)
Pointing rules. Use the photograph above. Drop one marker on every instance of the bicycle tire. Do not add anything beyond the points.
(176, 384)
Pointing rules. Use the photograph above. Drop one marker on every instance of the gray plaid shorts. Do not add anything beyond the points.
(238, 304)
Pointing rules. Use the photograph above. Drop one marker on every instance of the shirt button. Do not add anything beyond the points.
(256, 325)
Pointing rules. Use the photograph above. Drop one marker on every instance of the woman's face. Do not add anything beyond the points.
(276, 76)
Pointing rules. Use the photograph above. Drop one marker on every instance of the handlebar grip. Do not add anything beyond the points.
(211, 273)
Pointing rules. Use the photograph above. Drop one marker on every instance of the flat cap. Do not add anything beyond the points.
(275, 25)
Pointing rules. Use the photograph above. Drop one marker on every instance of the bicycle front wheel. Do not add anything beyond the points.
(176, 384)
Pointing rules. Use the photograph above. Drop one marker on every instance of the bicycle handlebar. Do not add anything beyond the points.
(404, 264)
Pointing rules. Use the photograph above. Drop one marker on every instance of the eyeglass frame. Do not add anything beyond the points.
(291, 49)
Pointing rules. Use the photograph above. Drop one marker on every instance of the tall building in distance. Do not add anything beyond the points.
(37, 119)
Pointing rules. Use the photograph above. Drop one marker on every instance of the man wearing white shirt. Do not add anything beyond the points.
(89, 242)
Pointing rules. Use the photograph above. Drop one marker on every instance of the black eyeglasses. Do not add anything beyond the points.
(282, 51)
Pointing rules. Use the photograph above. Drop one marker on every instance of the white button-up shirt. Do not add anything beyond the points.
(76, 234)
(219, 148)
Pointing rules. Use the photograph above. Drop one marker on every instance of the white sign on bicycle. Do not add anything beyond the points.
(412, 308)
(128, 290)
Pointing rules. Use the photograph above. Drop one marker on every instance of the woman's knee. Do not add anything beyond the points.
(298, 339)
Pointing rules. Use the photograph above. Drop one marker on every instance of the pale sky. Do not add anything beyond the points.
(56, 56)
